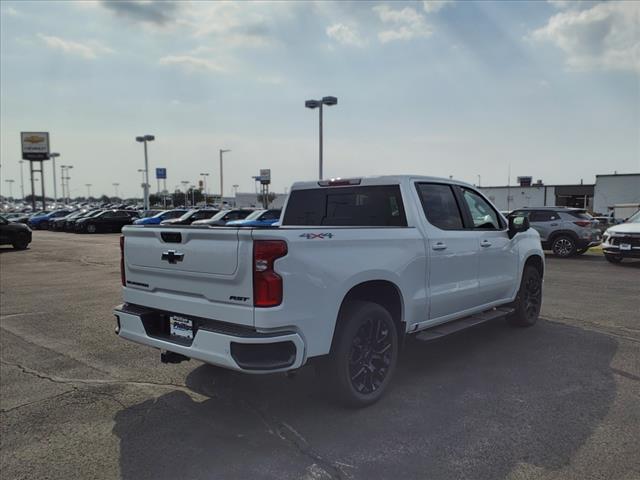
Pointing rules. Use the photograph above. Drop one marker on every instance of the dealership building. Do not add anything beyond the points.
(600, 197)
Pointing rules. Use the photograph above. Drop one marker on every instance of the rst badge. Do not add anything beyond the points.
(311, 236)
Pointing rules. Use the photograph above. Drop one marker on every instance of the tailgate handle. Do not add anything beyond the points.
(171, 237)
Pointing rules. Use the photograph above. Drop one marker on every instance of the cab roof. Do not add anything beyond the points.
(373, 180)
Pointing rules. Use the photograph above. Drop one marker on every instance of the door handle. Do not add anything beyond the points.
(439, 246)
(485, 243)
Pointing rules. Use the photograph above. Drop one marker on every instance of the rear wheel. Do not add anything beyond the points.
(529, 299)
(364, 354)
(91, 228)
(613, 258)
(21, 242)
(563, 246)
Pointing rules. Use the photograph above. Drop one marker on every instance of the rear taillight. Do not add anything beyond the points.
(267, 284)
(123, 278)
(583, 223)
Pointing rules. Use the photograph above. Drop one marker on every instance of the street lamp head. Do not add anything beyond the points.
(149, 138)
(312, 103)
(54, 155)
(204, 174)
(330, 100)
(139, 139)
(224, 151)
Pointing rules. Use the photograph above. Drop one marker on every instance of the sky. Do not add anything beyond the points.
(545, 89)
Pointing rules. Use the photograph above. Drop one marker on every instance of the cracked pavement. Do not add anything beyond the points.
(558, 401)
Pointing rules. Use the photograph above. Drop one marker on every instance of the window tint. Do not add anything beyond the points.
(543, 216)
(483, 215)
(440, 206)
(375, 206)
(271, 215)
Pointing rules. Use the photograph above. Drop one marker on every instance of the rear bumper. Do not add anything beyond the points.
(243, 350)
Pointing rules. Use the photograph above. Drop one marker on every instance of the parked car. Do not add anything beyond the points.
(357, 265)
(149, 213)
(58, 224)
(221, 218)
(564, 231)
(623, 240)
(18, 217)
(160, 216)
(106, 221)
(13, 233)
(191, 216)
(259, 218)
(41, 222)
(70, 223)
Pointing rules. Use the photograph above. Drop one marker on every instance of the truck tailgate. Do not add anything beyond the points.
(204, 272)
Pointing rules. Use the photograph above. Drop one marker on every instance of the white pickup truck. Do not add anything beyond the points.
(354, 267)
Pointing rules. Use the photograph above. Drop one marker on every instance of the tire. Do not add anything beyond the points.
(529, 299)
(563, 246)
(613, 258)
(21, 242)
(363, 355)
(91, 228)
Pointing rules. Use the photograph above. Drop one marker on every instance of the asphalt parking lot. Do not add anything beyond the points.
(558, 401)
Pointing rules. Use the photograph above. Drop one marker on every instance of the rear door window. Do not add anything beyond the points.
(372, 206)
(440, 206)
(543, 216)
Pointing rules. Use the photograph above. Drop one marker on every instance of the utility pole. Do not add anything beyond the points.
(222, 178)
(144, 139)
(186, 192)
(53, 156)
(329, 101)
(21, 179)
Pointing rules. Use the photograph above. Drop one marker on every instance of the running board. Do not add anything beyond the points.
(448, 328)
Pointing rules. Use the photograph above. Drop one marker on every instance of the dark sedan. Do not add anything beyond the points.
(70, 224)
(106, 221)
(16, 234)
(191, 216)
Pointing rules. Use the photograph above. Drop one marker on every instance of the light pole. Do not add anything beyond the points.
(10, 182)
(186, 194)
(329, 101)
(478, 180)
(53, 156)
(21, 179)
(116, 185)
(235, 194)
(144, 139)
(88, 185)
(221, 177)
(65, 182)
(204, 181)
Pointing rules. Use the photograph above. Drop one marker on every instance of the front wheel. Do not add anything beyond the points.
(363, 356)
(91, 228)
(563, 246)
(21, 242)
(529, 299)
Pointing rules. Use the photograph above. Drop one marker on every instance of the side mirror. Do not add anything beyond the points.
(517, 225)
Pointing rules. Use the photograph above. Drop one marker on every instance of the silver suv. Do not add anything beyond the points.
(565, 231)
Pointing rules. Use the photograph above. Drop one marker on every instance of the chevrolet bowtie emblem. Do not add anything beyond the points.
(172, 256)
(34, 139)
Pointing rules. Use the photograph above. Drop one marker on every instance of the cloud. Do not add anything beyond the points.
(604, 37)
(407, 24)
(192, 64)
(433, 6)
(12, 12)
(89, 51)
(345, 35)
(156, 13)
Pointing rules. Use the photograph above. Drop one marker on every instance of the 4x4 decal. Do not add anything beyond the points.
(321, 236)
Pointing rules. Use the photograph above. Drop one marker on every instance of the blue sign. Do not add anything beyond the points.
(161, 173)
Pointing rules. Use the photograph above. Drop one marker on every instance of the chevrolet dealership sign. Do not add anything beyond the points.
(35, 145)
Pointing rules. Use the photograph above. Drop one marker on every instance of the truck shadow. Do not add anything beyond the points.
(473, 405)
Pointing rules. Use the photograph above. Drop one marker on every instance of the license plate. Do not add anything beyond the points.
(625, 246)
(181, 327)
